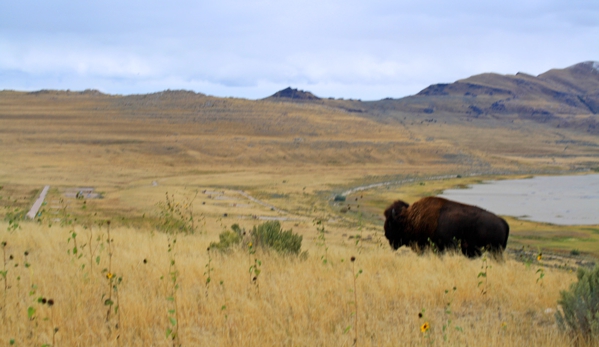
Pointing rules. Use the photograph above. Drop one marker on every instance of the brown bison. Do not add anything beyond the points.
(443, 224)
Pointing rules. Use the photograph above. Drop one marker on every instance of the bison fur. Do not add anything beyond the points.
(443, 224)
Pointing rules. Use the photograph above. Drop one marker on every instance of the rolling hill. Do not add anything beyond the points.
(566, 98)
(486, 123)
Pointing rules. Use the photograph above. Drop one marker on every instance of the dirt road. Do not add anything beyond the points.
(38, 203)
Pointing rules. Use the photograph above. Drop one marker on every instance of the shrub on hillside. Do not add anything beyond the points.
(580, 306)
(270, 235)
(339, 198)
(228, 239)
(267, 235)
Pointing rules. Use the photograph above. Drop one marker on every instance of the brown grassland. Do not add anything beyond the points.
(239, 161)
(296, 302)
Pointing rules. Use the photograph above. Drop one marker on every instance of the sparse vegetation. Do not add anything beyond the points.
(176, 216)
(579, 313)
(227, 239)
(270, 235)
(301, 301)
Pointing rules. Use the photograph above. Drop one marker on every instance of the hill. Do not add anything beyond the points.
(486, 123)
(561, 98)
(294, 94)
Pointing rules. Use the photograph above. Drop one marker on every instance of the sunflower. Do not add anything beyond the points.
(424, 328)
(540, 256)
(109, 275)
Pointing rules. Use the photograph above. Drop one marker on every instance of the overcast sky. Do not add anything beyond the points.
(368, 49)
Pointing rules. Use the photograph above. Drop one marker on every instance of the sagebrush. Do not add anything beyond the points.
(580, 306)
(271, 235)
(268, 235)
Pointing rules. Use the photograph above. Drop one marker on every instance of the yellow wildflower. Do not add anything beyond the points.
(109, 275)
(424, 328)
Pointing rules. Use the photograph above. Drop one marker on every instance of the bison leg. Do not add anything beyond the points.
(471, 250)
(474, 252)
(497, 253)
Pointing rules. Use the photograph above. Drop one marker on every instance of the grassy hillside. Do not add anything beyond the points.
(226, 161)
(294, 156)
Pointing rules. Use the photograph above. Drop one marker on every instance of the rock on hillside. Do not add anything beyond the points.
(294, 94)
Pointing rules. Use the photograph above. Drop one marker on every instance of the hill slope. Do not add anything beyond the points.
(561, 98)
(486, 123)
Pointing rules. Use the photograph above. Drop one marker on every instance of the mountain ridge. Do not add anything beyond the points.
(559, 98)
(566, 97)
(487, 123)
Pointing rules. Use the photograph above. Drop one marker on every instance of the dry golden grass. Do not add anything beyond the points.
(296, 303)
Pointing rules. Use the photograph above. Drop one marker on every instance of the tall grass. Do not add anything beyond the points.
(301, 303)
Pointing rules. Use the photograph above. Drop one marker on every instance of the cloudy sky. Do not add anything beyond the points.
(251, 48)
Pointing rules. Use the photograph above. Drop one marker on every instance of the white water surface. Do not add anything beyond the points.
(563, 200)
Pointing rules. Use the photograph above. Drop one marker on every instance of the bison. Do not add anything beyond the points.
(444, 224)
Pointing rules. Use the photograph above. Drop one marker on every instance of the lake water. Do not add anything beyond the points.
(564, 200)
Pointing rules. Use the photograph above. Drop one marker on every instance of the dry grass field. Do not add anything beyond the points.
(246, 162)
(293, 302)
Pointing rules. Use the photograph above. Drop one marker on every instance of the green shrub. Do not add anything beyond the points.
(580, 306)
(228, 238)
(339, 198)
(270, 235)
(267, 235)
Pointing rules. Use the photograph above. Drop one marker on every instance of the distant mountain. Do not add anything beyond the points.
(88, 92)
(570, 91)
(560, 97)
(488, 123)
(294, 94)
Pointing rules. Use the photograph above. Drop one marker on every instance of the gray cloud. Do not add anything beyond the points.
(358, 49)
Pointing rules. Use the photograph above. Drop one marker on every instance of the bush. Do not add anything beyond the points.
(339, 198)
(580, 306)
(227, 239)
(270, 235)
(266, 235)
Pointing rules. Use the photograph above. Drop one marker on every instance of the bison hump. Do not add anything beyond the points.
(423, 216)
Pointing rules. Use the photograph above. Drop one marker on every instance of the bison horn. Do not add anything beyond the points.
(393, 214)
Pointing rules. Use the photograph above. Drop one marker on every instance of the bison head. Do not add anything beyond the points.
(395, 224)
